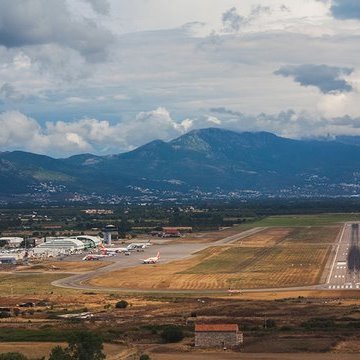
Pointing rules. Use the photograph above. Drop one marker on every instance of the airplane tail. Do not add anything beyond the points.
(158, 255)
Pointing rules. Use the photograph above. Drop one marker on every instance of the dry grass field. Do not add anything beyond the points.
(43, 349)
(276, 257)
(63, 266)
(21, 284)
(234, 356)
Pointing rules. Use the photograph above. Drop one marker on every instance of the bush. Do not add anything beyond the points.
(269, 324)
(319, 323)
(12, 356)
(144, 357)
(286, 328)
(4, 314)
(122, 304)
(172, 334)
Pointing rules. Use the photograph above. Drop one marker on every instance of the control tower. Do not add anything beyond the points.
(107, 232)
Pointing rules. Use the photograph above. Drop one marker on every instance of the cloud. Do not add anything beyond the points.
(39, 22)
(289, 123)
(346, 9)
(100, 6)
(326, 78)
(232, 20)
(8, 92)
(60, 138)
(259, 10)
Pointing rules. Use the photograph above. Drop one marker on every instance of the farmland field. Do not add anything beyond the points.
(44, 348)
(30, 284)
(275, 257)
(307, 220)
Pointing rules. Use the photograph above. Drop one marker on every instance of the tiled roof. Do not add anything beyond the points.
(216, 327)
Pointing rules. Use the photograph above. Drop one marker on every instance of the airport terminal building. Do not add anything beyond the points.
(60, 245)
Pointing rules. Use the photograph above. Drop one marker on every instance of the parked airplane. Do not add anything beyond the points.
(110, 250)
(94, 257)
(152, 260)
(233, 291)
(138, 246)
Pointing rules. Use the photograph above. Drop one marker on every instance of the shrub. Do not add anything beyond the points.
(144, 357)
(172, 334)
(4, 314)
(12, 356)
(319, 323)
(269, 324)
(122, 304)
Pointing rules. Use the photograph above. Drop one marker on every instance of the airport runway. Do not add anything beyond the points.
(345, 269)
(344, 273)
(168, 252)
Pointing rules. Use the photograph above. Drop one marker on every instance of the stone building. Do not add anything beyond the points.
(218, 335)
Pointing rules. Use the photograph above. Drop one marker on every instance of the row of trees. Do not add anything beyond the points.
(86, 345)
(81, 346)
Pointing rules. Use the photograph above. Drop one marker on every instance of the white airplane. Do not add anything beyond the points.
(93, 257)
(142, 246)
(234, 291)
(111, 250)
(152, 260)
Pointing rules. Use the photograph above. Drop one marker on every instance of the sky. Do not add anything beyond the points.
(106, 76)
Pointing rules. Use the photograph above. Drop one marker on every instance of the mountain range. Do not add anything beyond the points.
(206, 160)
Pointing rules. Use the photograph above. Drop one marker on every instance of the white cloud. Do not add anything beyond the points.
(118, 60)
(60, 138)
(100, 6)
(87, 135)
(22, 61)
(120, 97)
(76, 100)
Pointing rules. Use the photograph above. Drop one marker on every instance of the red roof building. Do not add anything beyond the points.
(216, 327)
(218, 335)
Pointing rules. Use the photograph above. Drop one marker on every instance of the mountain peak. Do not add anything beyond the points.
(214, 139)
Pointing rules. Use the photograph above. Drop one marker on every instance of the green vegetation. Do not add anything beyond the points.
(43, 175)
(82, 345)
(59, 353)
(201, 216)
(50, 334)
(172, 333)
(85, 345)
(36, 335)
(231, 260)
(12, 356)
(144, 357)
(270, 324)
(122, 304)
(319, 323)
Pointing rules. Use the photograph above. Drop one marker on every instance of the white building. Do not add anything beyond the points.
(13, 242)
(88, 240)
(59, 245)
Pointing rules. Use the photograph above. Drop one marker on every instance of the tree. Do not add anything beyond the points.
(85, 345)
(4, 314)
(172, 334)
(144, 357)
(122, 304)
(269, 324)
(58, 353)
(12, 356)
